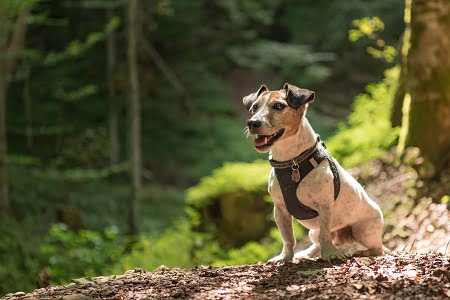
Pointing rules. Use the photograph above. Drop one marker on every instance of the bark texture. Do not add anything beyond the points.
(134, 116)
(396, 114)
(428, 82)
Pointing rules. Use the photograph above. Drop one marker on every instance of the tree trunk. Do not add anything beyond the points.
(396, 113)
(134, 115)
(10, 44)
(428, 83)
(4, 199)
(113, 105)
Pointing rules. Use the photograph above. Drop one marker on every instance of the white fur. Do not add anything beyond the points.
(353, 208)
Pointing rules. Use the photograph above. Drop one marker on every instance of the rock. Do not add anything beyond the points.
(135, 270)
(162, 268)
(19, 294)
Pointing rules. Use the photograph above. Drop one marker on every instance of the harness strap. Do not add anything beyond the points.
(303, 165)
(336, 179)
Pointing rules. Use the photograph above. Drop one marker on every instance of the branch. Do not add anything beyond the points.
(159, 61)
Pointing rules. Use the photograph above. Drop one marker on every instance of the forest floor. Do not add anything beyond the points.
(417, 230)
(399, 276)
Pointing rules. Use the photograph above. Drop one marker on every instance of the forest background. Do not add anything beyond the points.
(121, 124)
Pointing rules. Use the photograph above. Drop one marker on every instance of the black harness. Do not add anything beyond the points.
(290, 174)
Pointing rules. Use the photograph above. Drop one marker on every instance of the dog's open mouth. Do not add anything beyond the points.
(263, 141)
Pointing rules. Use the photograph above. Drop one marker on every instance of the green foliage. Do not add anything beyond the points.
(205, 140)
(368, 132)
(232, 177)
(172, 248)
(89, 253)
(369, 28)
(264, 54)
(20, 259)
(89, 149)
(77, 48)
(365, 27)
(387, 53)
(209, 252)
(249, 12)
(86, 253)
(329, 21)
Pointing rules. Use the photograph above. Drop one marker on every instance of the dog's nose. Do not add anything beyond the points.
(253, 123)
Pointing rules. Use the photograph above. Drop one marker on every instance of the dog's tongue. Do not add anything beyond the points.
(260, 140)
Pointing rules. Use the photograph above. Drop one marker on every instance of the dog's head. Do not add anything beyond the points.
(276, 114)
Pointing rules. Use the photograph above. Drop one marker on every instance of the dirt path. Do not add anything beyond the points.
(407, 276)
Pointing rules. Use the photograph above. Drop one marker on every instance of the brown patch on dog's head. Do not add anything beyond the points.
(250, 99)
(277, 114)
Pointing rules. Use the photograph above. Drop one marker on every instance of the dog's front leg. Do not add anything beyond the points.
(284, 222)
(328, 250)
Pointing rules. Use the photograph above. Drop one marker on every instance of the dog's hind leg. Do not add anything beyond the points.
(369, 234)
(343, 236)
(312, 250)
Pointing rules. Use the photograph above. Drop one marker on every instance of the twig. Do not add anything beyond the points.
(410, 249)
(164, 67)
(404, 248)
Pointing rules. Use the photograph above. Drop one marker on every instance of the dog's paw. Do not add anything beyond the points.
(330, 252)
(280, 258)
(305, 254)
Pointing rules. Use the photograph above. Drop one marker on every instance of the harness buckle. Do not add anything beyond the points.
(295, 172)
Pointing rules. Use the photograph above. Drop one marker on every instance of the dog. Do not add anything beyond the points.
(326, 199)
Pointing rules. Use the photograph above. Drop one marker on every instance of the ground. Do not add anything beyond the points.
(399, 276)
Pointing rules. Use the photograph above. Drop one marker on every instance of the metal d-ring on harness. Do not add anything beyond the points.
(295, 172)
(290, 174)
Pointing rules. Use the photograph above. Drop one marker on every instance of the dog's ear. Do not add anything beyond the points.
(250, 99)
(296, 96)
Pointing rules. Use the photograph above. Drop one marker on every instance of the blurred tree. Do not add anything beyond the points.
(134, 114)
(426, 107)
(13, 26)
(113, 103)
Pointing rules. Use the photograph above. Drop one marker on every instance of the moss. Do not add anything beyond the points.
(232, 177)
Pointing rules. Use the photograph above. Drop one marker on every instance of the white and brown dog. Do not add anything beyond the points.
(305, 182)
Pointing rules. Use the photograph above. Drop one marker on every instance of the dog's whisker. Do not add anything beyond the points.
(246, 132)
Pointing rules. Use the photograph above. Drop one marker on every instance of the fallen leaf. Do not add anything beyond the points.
(357, 286)
(293, 287)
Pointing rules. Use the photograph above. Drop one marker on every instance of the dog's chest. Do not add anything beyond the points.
(314, 188)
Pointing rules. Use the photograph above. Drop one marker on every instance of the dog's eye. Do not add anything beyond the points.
(254, 108)
(279, 106)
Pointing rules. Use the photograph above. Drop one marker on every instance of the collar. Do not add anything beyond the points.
(297, 160)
